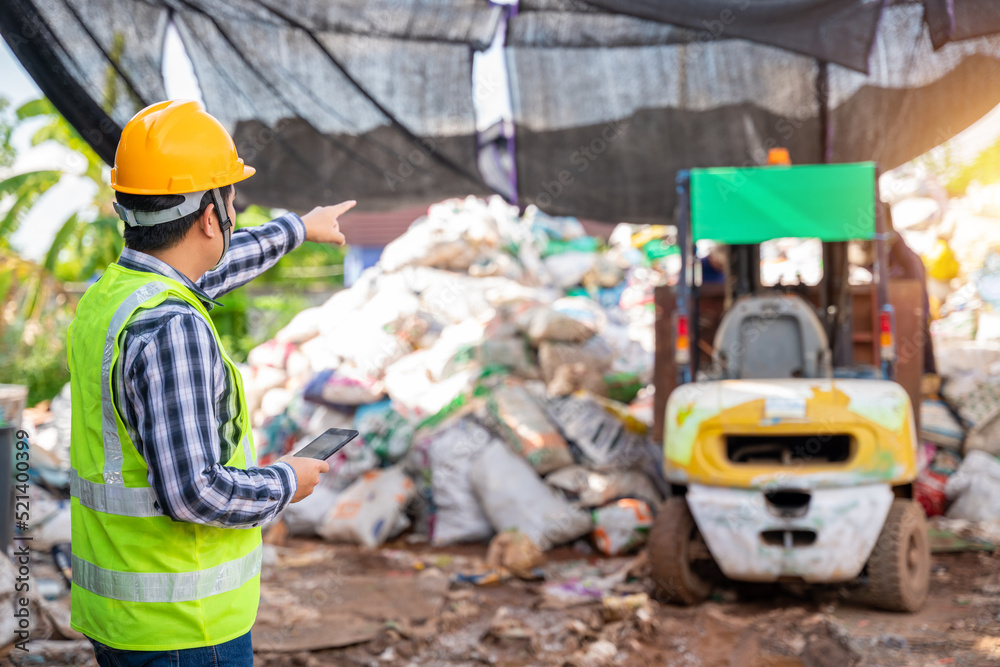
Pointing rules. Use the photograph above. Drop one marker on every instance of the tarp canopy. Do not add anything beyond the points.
(833, 202)
(360, 99)
(608, 107)
(374, 99)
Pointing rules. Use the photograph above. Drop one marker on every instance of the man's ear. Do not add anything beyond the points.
(207, 222)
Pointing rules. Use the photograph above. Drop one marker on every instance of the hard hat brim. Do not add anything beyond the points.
(247, 172)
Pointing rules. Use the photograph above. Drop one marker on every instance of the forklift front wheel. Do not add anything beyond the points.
(899, 566)
(678, 556)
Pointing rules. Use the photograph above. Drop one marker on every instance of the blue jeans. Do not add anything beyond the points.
(234, 653)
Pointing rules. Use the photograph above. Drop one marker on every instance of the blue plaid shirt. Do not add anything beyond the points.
(176, 398)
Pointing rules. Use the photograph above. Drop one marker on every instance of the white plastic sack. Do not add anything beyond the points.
(441, 358)
(337, 387)
(584, 310)
(543, 323)
(595, 355)
(589, 488)
(603, 430)
(453, 450)
(274, 401)
(368, 347)
(454, 297)
(938, 425)
(392, 301)
(512, 496)
(321, 354)
(325, 418)
(304, 326)
(975, 488)
(416, 395)
(257, 380)
(622, 526)
(528, 429)
(272, 353)
(568, 268)
(369, 511)
(303, 517)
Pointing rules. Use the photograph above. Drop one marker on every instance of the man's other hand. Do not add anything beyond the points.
(307, 471)
(322, 225)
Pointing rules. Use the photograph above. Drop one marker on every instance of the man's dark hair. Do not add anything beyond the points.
(167, 234)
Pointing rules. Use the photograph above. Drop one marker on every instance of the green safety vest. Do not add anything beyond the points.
(142, 581)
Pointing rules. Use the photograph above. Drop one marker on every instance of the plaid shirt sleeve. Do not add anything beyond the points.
(252, 251)
(172, 387)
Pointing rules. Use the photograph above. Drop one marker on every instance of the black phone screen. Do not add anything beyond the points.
(328, 444)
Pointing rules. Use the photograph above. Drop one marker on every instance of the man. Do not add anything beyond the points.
(167, 499)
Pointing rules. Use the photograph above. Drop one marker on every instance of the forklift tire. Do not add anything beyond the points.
(899, 566)
(673, 539)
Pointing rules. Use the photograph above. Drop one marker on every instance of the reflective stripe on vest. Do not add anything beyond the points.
(122, 500)
(166, 587)
(112, 444)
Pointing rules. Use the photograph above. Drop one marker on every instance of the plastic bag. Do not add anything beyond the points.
(542, 323)
(985, 436)
(515, 552)
(320, 353)
(622, 526)
(413, 392)
(589, 488)
(938, 425)
(583, 310)
(452, 452)
(368, 511)
(528, 430)
(595, 355)
(604, 432)
(975, 488)
(272, 353)
(369, 349)
(929, 491)
(334, 388)
(304, 326)
(303, 517)
(512, 496)
(384, 430)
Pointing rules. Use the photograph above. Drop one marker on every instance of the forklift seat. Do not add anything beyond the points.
(771, 336)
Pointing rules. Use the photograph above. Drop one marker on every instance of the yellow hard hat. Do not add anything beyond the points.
(175, 147)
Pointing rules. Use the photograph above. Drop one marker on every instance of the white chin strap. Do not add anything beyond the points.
(191, 204)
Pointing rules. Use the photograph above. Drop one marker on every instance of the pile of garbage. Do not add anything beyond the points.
(958, 240)
(498, 368)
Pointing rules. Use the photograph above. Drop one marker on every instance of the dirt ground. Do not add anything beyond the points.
(416, 616)
(412, 605)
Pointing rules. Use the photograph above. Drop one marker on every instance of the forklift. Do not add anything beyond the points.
(786, 412)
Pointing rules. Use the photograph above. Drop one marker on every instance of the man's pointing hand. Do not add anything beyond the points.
(322, 224)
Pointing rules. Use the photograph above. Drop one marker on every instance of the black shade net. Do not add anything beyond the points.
(602, 132)
(358, 100)
(373, 100)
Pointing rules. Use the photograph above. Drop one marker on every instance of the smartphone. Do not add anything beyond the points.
(327, 444)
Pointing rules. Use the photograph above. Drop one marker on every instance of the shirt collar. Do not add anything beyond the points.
(140, 261)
